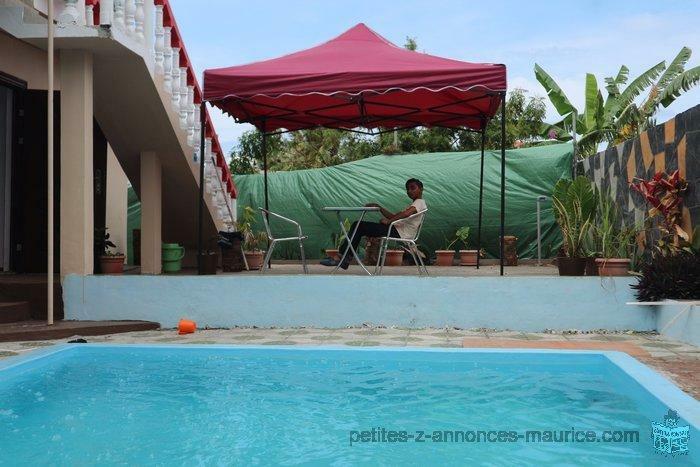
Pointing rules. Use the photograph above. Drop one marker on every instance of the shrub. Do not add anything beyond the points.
(675, 276)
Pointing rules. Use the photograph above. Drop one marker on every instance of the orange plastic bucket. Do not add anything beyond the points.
(185, 326)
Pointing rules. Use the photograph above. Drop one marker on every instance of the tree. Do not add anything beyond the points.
(618, 117)
(246, 157)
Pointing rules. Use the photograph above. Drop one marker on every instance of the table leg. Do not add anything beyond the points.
(349, 239)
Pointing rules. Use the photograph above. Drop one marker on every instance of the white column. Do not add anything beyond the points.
(119, 20)
(197, 131)
(190, 115)
(149, 20)
(151, 212)
(89, 15)
(139, 16)
(77, 220)
(130, 16)
(167, 60)
(175, 84)
(70, 13)
(106, 12)
(183, 98)
(160, 40)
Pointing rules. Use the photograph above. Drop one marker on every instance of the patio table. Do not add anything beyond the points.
(349, 236)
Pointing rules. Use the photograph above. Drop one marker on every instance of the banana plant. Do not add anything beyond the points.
(618, 117)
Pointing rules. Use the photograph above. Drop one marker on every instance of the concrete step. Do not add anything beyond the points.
(12, 312)
(31, 288)
(39, 330)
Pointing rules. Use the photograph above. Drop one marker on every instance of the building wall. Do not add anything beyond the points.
(117, 186)
(26, 62)
(672, 145)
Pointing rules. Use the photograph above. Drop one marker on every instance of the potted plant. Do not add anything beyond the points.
(574, 205)
(336, 240)
(252, 241)
(393, 258)
(617, 249)
(466, 257)
(445, 257)
(111, 262)
(615, 242)
(252, 249)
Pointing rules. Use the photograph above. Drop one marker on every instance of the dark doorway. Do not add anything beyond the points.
(29, 184)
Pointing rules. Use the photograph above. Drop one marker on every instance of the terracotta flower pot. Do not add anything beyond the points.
(393, 258)
(571, 266)
(468, 257)
(613, 266)
(254, 259)
(112, 264)
(444, 257)
(332, 253)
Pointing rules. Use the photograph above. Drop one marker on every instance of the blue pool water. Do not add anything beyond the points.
(215, 405)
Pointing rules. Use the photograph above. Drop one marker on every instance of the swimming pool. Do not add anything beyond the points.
(110, 404)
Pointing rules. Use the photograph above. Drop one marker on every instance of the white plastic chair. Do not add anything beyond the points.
(410, 242)
(273, 241)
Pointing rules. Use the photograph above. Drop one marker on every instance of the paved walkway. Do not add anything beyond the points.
(678, 361)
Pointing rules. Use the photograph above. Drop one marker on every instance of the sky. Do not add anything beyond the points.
(567, 38)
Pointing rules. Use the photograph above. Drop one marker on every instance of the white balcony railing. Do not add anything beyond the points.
(150, 24)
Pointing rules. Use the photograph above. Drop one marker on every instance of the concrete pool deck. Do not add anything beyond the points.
(678, 361)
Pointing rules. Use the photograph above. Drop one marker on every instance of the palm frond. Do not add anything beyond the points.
(674, 69)
(554, 92)
(613, 86)
(680, 84)
(635, 88)
(591, 109)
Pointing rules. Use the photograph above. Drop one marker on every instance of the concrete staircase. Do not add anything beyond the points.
(23, 297)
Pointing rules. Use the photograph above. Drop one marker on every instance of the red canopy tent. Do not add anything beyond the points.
(361, 80)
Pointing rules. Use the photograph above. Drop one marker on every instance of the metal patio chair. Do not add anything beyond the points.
(410, 243)
(273, 240)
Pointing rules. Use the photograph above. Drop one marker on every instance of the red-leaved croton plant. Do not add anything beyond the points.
(664, 193)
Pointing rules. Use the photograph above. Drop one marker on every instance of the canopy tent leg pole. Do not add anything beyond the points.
(481, 196)
(203, 133)
(267, 198)
(503, 173)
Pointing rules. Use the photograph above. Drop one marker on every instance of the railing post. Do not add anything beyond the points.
(167, 60)
(175, 83)
(130, 16)
(149, 12)
(160, 41)
(70, 13)
(106, 12)
(138, 20)
(119, 14)
(190, 115)
(183, 98)
(197, 131)
(89, 15)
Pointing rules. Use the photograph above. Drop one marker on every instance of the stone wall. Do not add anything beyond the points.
(665, 147)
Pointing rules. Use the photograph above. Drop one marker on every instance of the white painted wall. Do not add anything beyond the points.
(116, 211)
(515, 303)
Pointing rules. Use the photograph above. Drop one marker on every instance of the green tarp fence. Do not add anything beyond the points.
(451, 182)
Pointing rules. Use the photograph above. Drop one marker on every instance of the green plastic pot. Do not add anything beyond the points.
(171, 255)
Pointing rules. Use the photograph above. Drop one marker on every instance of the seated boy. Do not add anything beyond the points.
(402, 229)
